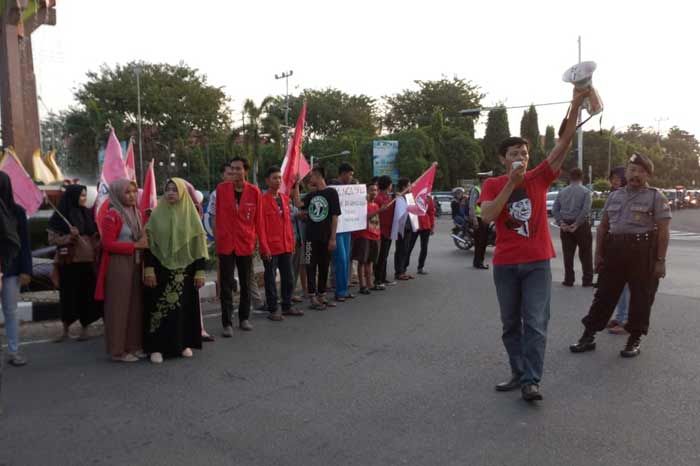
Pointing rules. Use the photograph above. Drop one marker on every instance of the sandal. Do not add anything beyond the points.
(293, 312)
(317, 306)
(349, 296)
(275, 317)
(297, 299)
(340, 299)
(128, 357)
(329, 303)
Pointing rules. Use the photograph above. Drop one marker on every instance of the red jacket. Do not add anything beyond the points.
(278, 224)
(238, 225)
(110, 226)
(427, 221)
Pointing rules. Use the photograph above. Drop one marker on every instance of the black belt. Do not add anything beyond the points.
(636, 237)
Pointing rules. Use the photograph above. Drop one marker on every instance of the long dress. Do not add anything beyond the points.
(123, 305)
(171, 309)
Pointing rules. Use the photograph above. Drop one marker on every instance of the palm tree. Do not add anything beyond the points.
(260, 123)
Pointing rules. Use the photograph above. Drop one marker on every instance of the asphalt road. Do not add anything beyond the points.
(401, 377)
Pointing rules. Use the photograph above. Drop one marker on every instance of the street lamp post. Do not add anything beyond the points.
(339, 154)
(137, 71)
(612, 131)
(285, 75)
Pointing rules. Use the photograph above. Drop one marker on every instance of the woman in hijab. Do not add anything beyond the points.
(173, 275)
(119, 279)
(16, 264)
(73, 231)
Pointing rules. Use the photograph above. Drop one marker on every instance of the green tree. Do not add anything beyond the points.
(601, 184)
(497, 130)
(260, 127)
(330, 112)
(414, 108)
(549, 139)
(177, 104)
(530, 130)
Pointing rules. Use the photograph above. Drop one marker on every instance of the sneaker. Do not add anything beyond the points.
(245, 326)
(392, 283)
(156, 358)
(187, 353)
(17, 359)
(228, 332)
(365, 290)
(422, 272)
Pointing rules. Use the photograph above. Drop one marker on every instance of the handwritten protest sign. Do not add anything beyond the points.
(353, 205)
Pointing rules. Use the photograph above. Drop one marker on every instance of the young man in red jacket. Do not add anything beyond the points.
(280, 240)
(426, 227)
(239, 222)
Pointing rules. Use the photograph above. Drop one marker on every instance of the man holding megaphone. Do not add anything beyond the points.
(517, 202)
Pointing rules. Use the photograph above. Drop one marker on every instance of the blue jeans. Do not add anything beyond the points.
(341, 259)
(622, 308)
(10, 295)
(524, 292)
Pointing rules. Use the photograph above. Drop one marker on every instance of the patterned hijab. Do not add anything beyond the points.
(117, 200)
(176, 236)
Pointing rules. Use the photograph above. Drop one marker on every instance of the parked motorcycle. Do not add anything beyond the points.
(463, 235)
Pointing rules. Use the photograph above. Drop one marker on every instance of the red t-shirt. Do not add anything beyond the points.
(522, 229)
(386, 218)
(373, 230)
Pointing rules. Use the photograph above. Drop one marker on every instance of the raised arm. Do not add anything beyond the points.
(558, 154)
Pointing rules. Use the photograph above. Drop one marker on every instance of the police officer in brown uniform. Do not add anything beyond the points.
(631, 245)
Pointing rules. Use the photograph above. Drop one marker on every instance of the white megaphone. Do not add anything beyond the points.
(581, 76)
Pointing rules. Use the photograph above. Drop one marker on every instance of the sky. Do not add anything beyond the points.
(647, 52)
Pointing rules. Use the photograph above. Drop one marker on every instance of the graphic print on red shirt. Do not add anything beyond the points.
(522, 229)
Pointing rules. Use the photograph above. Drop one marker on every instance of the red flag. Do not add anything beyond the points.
(25, 192)
(421, 189)
(149, 198)
(130, 163)
(294, 161)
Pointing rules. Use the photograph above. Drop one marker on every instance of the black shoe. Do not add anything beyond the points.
(585, 343)
(569, 284)
(422, 272)
(632, 347)
(512, 384)
(481, 266)
(587, 285)
(531, 392)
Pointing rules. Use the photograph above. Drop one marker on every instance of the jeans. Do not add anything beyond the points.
(341, 259)
(283, 262)
(622, 309)
(524, 292)
(10, 295)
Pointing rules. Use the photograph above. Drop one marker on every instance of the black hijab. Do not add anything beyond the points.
(78, 216)
(9, 236)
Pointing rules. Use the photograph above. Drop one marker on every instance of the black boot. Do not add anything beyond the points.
(632, 347)
(511, 384)
(585, 343)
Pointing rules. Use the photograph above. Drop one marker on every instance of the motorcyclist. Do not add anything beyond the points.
(459, 206)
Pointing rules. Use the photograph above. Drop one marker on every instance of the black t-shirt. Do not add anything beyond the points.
(321, 207)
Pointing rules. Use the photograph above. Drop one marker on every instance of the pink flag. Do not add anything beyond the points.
(113, 167)
(421, 189)
(149, 198)
(25, 192)
(130, 163)
(294, 161)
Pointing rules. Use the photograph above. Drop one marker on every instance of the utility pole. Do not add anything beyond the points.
(612, 132)
(137, 71)
(658, 121)
(285, 75)
(580, 129)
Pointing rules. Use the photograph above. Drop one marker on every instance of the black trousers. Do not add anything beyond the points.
(481, 239)
(318, 260)
(227, 265)
(283, 262)
(382, 261)
(403, 252)
(424, 236)
(625, 262)
(582, 239)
